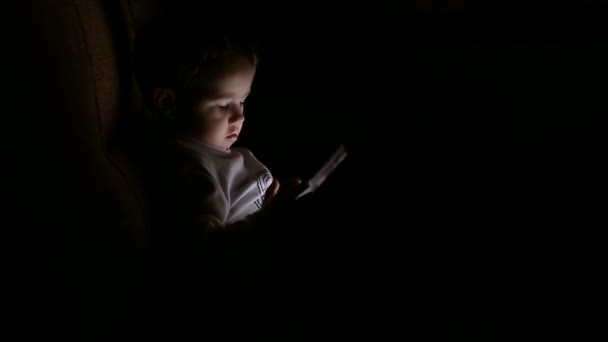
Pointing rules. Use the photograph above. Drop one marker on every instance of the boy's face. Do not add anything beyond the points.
(218, 110)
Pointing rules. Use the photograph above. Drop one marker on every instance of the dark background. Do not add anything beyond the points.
(471, 204)
(471, 200)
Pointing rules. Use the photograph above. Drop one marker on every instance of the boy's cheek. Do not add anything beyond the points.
(208, 128)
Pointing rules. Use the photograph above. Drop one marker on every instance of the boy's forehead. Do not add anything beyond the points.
(220, 94)
(230, 82)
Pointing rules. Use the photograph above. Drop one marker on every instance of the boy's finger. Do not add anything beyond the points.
(272, 190)
(274, 187)
(296, 186)
(292, 182)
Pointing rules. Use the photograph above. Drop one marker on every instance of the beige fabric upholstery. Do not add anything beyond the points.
(76, 185)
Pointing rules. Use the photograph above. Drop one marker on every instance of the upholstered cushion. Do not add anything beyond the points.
(81, 198)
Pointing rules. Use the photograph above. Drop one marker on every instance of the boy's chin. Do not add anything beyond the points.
(225, 145)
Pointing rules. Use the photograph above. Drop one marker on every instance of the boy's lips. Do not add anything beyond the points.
(232, 136)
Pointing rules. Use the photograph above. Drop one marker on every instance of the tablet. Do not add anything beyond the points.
(332, 163)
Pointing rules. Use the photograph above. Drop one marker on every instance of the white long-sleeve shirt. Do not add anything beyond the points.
(226, 186)
(206, 204)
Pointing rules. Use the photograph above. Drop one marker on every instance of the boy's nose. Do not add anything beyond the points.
(237, 115)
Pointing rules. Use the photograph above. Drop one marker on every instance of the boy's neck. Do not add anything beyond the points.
(197, 142)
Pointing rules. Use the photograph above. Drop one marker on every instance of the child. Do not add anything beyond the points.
(213, 205)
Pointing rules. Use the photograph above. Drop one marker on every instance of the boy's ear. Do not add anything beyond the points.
(164, 101)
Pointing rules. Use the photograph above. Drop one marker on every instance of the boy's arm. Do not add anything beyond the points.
(207, 206)
(208, 239)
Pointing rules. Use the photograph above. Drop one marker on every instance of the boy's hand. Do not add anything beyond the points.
(279, 195)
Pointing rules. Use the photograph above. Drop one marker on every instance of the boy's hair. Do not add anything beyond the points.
(173, 52)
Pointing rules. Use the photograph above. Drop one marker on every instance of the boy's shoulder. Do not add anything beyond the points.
(247, 154)
(207, 160)
(242, 151)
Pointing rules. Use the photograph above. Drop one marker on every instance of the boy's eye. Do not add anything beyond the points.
(227, 107)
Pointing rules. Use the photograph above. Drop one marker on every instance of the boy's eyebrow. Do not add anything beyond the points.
(219, 95)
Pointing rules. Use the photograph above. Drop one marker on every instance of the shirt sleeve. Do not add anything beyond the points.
(207, 206)
(204, 208)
